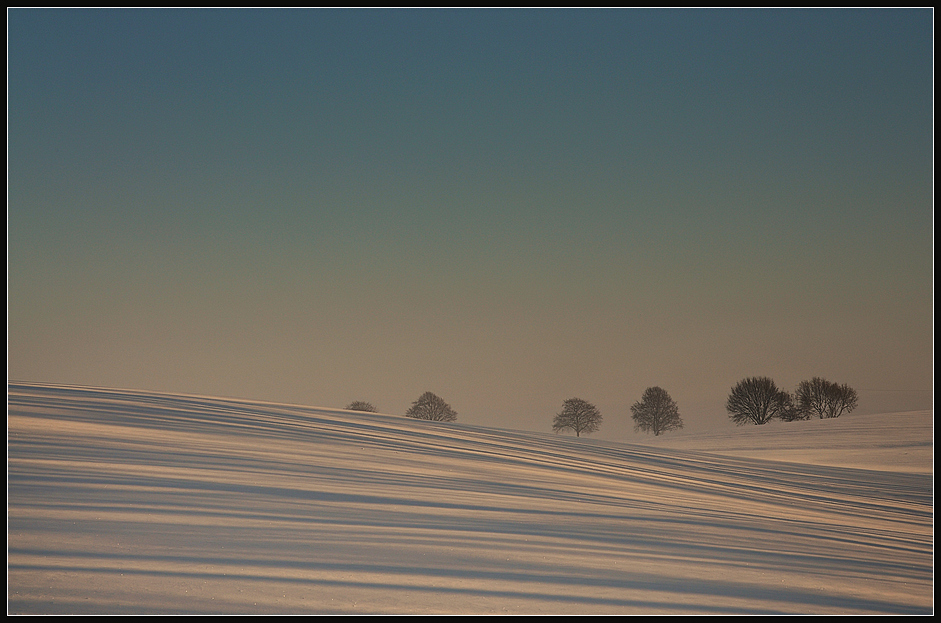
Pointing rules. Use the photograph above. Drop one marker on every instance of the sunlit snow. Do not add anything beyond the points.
(136, 502)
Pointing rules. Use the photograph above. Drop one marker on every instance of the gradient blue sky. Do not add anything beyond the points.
(505, 207)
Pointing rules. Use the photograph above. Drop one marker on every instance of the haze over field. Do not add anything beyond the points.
(134, 503)
(508, 208)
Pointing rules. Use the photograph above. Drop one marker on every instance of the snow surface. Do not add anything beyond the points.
(135, 502)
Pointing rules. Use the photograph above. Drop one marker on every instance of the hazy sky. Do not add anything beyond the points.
(505, 207)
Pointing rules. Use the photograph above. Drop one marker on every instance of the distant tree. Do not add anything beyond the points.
(825, 399)
(656, 412)
(430, 407)
(361, 405)
(577, 415)
(757, 400)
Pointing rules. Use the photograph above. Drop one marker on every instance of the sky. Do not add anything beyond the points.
(508, 208)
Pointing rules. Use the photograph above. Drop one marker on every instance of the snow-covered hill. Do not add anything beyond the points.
(135, 502)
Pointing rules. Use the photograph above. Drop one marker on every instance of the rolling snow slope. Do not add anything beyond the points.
(135, 502)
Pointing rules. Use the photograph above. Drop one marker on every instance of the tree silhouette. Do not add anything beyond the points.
(790, 412)
(361, 405)
(757, 400)
(656, 412)
(825, 399)
(577, 415)
(431, 407)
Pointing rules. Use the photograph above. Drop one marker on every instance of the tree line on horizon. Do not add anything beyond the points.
(754, 400)
(655, 412)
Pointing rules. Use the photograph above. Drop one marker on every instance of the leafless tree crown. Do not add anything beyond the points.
(431, 407)
(758, 400)
(825, 399)
(656, 412)
(577, 415)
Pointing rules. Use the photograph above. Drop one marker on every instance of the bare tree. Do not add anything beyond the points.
(656, 412)
(824, 399)
(577, 415)
(431, 407)
(757, 400)
(361, 405)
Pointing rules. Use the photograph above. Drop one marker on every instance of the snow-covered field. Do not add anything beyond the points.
(134, 502)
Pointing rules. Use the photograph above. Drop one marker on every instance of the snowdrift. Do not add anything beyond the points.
(143, 503)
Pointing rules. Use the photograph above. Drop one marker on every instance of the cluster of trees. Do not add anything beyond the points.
(757, 400)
